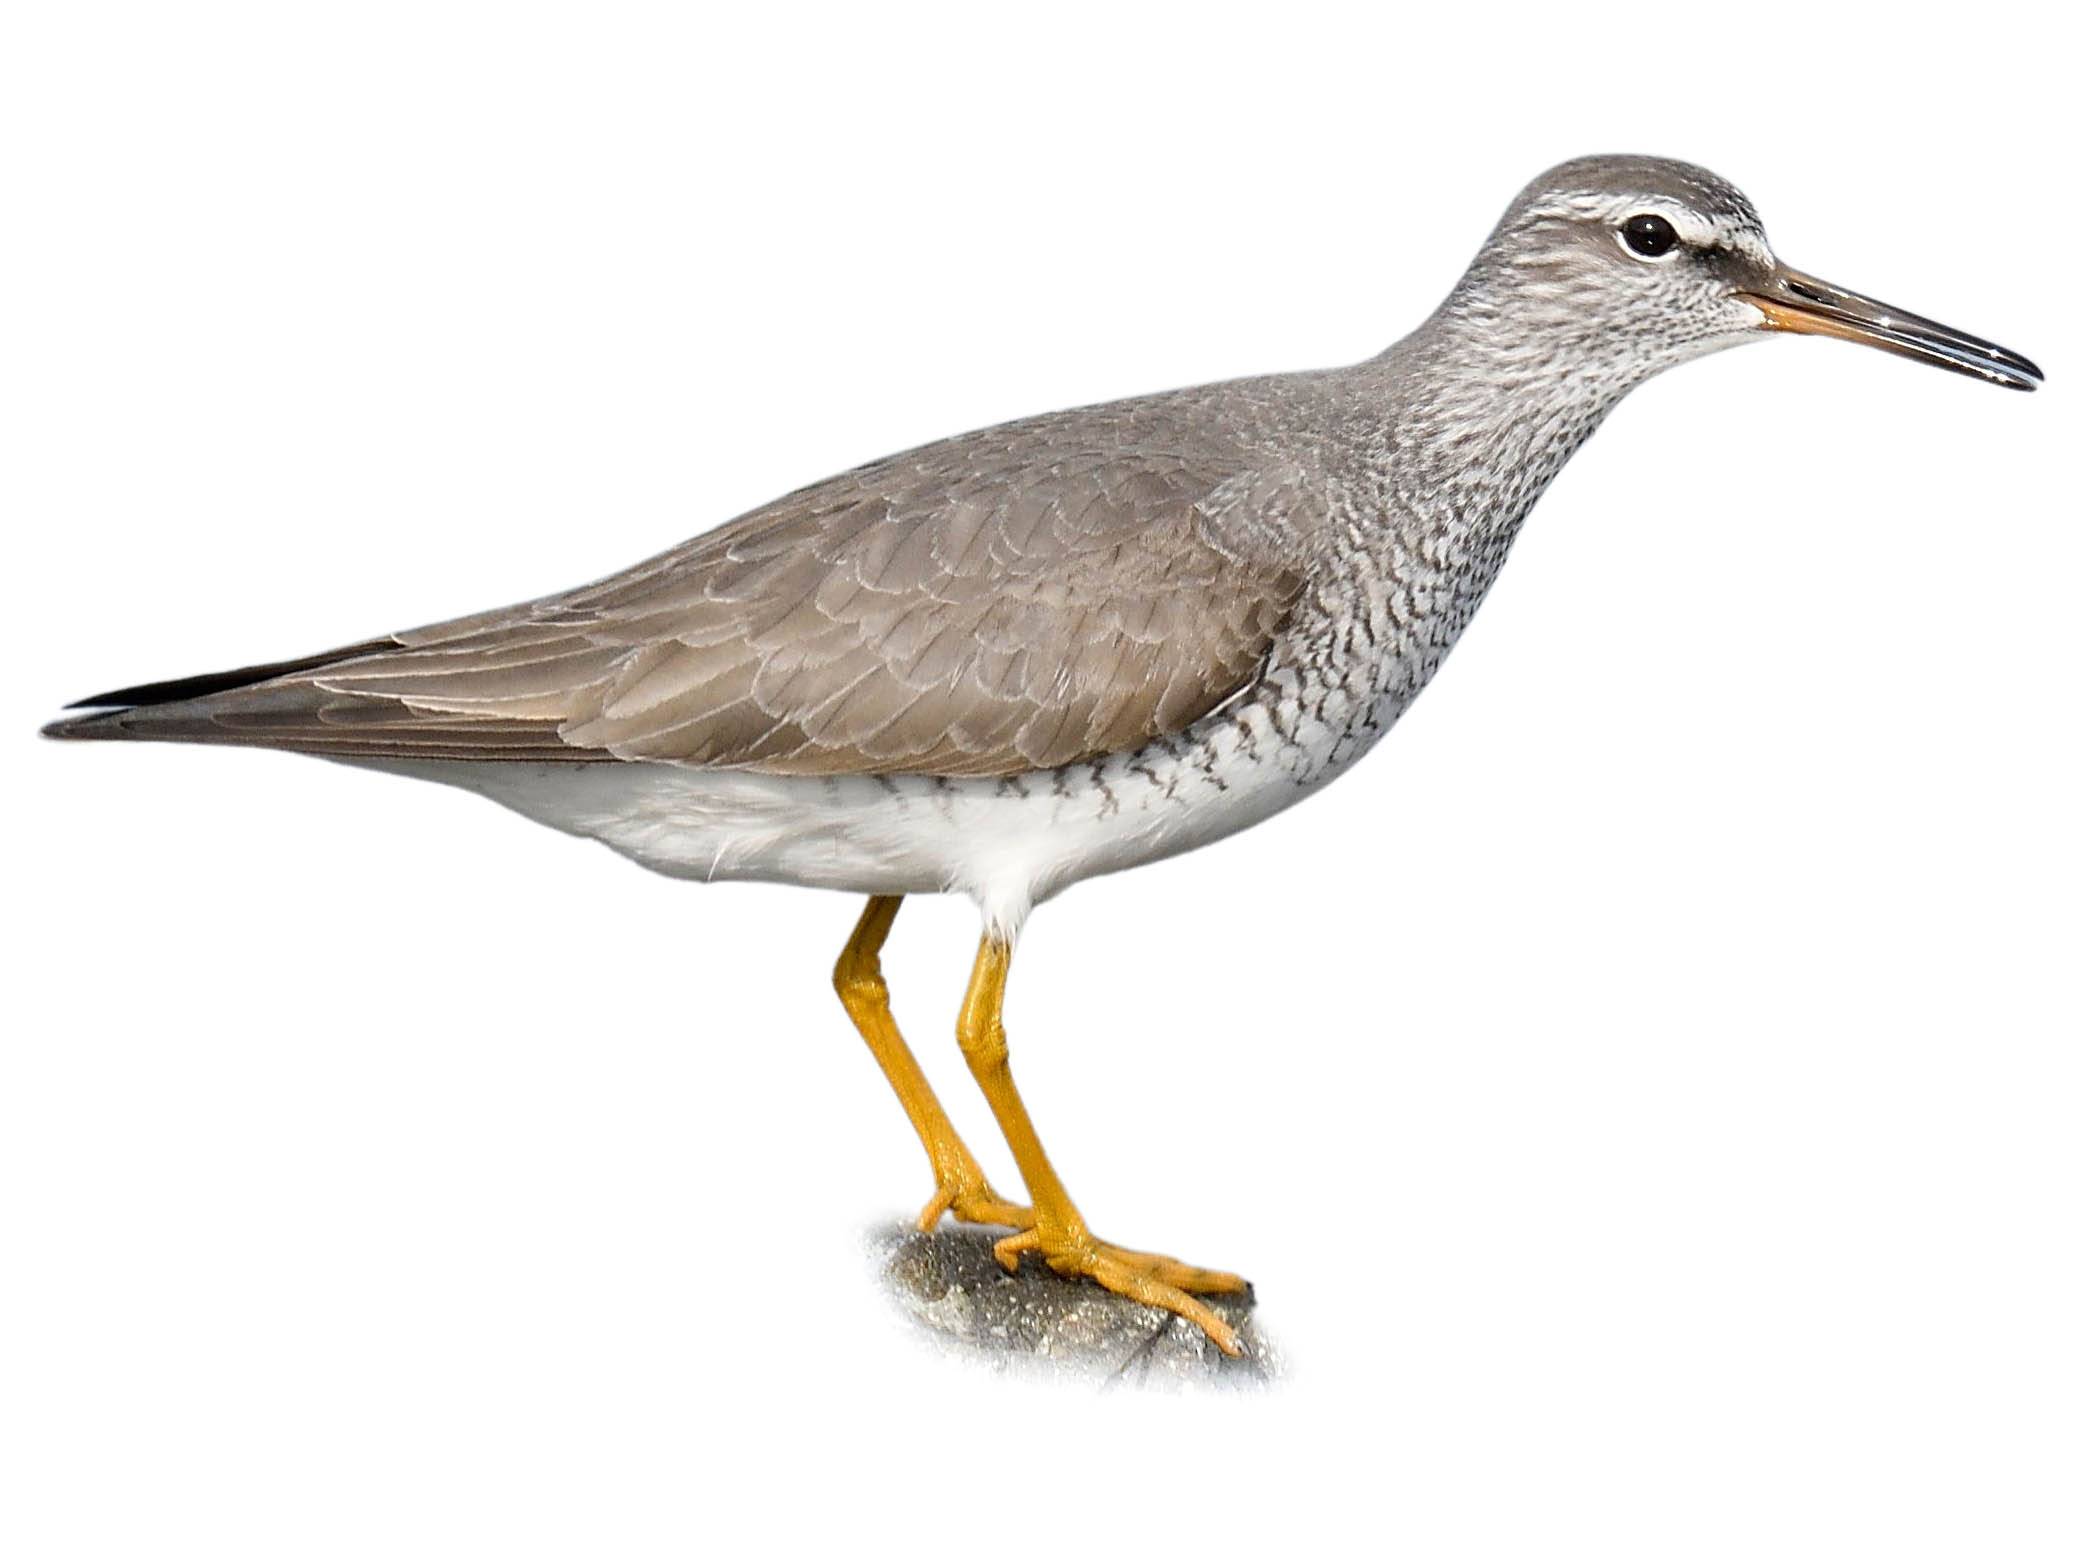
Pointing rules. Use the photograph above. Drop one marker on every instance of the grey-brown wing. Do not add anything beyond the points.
(965, 610)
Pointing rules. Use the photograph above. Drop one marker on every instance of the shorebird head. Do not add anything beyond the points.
(1619, 267)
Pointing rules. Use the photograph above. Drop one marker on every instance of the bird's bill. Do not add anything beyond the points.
(1794, 301)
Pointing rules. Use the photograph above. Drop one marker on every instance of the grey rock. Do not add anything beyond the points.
(1034, 1322)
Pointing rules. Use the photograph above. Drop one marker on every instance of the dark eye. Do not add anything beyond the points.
(1648, 236)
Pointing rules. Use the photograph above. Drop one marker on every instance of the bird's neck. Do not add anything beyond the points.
(1491, 399)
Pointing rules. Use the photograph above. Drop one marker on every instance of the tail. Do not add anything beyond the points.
(155, 711)
(308, 706)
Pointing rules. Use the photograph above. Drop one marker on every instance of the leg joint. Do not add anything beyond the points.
(858, 974)
(858, 978)
(983, 1043)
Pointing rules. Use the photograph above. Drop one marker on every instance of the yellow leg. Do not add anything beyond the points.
(959, 1185)
(1058, 1232)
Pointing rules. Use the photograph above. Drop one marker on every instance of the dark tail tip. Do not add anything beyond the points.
(94, 724)
(175, 690)
(104, 712)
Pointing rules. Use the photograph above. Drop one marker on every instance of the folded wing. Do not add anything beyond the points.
(984, 607)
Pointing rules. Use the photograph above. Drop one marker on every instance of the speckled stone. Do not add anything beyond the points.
(948, 1283)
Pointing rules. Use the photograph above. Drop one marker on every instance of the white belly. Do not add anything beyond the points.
(1009, 844)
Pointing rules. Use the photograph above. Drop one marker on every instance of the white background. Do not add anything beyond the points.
(1644, 1094)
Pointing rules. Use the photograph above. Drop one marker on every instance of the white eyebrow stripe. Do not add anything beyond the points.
(1692, 227)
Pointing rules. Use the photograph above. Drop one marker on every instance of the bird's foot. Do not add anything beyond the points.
(964, 1192)
(1147, 1277)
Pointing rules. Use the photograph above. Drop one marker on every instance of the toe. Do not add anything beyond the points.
(935, 1206)
(1136, 1285)
(1183, 1276)
(1007, 1251)
(972, 1202)
(989, 1209)
(1201, 1281)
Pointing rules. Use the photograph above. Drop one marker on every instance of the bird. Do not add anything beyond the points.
(1065, 646)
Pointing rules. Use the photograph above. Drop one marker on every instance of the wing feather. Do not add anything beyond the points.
(1010, 601)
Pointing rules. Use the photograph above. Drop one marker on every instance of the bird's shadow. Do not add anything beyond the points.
(950, 1286)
